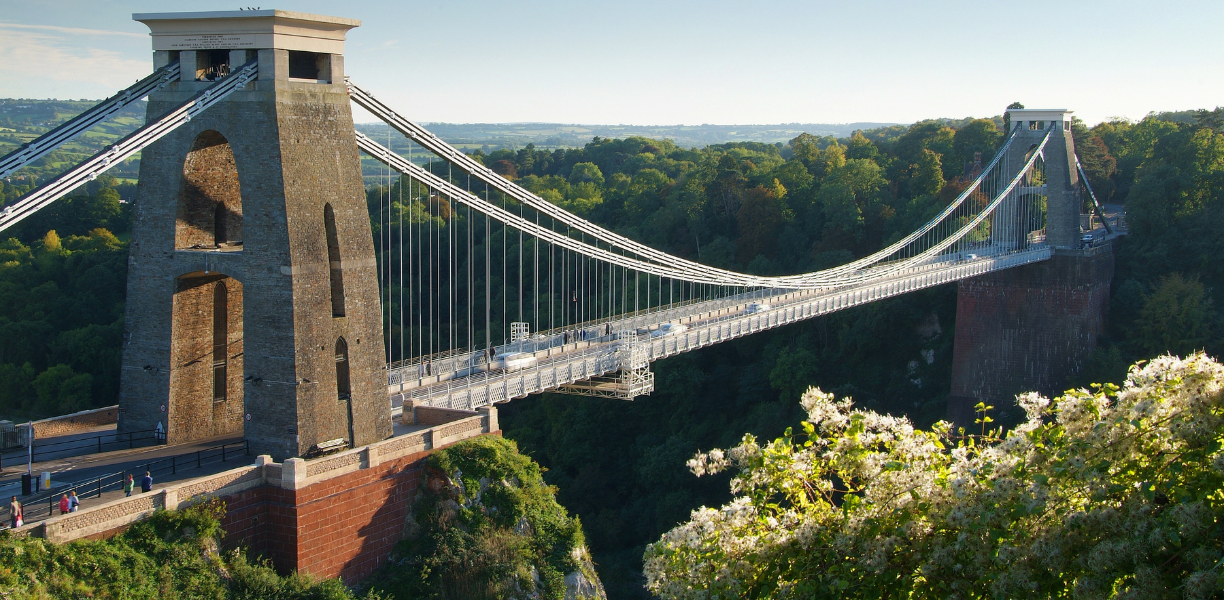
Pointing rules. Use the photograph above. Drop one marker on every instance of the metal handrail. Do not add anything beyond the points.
(132, 143)
(92, 443)
(81, 123)
(96, 486)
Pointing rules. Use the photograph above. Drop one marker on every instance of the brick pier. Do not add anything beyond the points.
(1027, 329)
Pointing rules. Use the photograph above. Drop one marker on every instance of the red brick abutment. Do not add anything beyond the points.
(338, 516)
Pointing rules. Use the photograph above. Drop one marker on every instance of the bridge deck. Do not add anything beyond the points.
(471, 384)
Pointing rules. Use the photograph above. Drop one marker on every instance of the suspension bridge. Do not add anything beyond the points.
(262, 300)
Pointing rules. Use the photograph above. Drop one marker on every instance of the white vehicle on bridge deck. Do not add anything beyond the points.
(514, 361)
(667, 329)
(756, 307)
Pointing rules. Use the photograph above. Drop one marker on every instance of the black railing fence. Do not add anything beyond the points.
(104, 442)
(46, 504)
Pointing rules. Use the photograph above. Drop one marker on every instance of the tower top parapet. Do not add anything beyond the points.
(247, 29)
(1040, 118)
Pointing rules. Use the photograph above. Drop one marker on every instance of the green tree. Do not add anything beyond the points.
(806, 148)
(586, 173)
(1177, 316)
(925, 135)
(61, 391)
(850, 196)
(759, 220)
(485, 525)
(979, 135)
(928, 176)
(1098, 164)
(1007, 126)
(793, 372)
(861, 147)
(832, 158)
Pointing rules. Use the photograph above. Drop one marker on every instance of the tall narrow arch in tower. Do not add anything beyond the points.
(209, 211)
(344, 393)
(334, 262)
(220, 333)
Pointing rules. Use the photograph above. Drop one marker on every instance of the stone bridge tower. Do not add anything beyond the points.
(253, 304)
(1031, 328)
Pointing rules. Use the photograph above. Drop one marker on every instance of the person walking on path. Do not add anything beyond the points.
(73, 501)
(15, 516)
(146, 483)
(128, 484)
(64, 505)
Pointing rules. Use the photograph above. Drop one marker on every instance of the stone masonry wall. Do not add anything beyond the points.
(429, 415)
(1027, 329)
(79, 421)
(210, 177)
(321, 167)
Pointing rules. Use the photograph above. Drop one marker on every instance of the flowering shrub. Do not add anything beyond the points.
(1114, 493)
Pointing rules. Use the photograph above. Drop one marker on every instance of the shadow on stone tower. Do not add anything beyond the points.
(253, 302)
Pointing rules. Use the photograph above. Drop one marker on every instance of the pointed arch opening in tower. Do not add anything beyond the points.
(333, 259)
(343, 391)
(209, 213)
(342, 370)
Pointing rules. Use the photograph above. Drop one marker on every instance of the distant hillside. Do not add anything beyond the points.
(22, 120)
(494, 136)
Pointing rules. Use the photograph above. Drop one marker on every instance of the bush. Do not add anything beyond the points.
(1115, 492)
(485, 525)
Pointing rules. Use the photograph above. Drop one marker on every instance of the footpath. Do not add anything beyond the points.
(72, 471)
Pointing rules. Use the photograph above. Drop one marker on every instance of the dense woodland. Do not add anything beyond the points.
(764, 208)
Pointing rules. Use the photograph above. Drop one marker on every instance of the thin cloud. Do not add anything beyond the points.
(73, 30)
(41, 65)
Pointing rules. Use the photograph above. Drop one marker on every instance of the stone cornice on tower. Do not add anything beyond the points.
(247, 29)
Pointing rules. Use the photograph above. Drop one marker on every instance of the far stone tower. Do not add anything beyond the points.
(253, 304)
(1034, 327)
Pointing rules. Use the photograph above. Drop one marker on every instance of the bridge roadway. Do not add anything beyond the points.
(464, 380)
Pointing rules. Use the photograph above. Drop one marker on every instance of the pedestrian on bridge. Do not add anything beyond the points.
(128, 484)
(64, 505)
(146, 483)
(15, 516)
(73, 502)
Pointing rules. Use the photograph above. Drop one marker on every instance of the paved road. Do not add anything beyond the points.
(78, 469)
(90, 441)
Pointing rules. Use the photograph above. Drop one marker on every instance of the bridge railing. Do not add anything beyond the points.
(33, 507)
(467, 360)
(786, 306)
(104, 442)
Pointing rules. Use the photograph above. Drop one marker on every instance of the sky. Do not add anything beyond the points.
(671, 62)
